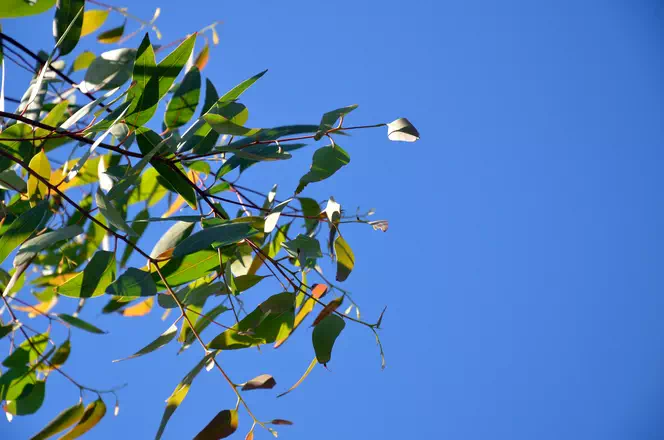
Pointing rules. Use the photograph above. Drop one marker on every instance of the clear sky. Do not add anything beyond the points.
(523, 265)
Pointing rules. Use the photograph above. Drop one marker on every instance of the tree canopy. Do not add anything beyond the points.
(102, 147)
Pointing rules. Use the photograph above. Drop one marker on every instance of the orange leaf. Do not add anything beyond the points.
(140, 309)
(328, 309)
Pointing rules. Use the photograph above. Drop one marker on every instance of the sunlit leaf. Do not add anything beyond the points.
(31, 247)
(37, 189)
(93, 20)
(11, 181)
(182, 106)
(28, 352)
(311, 366)
(112, 35)
(93, 280)
(139, 309)
(30, 399)
(161, 341)
(109, 70)
(202, 57)
(273, 217)
(111, 213)
(345, 258)
(23, 8)
(93, 414)
(62, 421)
(328, 309)
(178, 395)
(402, 130)
(22, 228)
(317, 292)
(216, 236)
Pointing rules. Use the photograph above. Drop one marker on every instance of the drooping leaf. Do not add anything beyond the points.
(79, 323)
(139, 309)
(221, 426)
(23, 8)
(68, 12)
(202, 57)
(262, 382)
(144, 94)
(133, 283)
(93, 280)
(273, 217)
(330, 118)
(216, 236)
(402, 130)
(324, 336)
(305, 249)
(171, 66)
(14, 381)
(62, 421)
(139, 227)
(311, 366)
(161, 341)
(311, 210)
(185, 100)
(22, 228)
(28, 352)
(326, 161)
(345, 258)
(93, 414)
(60, 355)
(224, 125)
(93, 20)
(180, 392)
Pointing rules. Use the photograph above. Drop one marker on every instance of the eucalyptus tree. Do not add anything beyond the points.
(139, 141)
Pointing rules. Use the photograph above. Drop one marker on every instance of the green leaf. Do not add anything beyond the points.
(173, 174)
(178, 271)
(330, 119)
(324, 335)
(93, 280)
(221, 426)
(161, 341)
(22, 228)
(180, 393)
(273, 217)
(109, 70)
(83, 60)
(23, 8)
(326, 161)
(216, 236)
(11, 181)
(238, 90)
(61, 354)
(15, 380)
(7, 329)
(133, 283)
(144, 95)
(30, 400)
(171, 66)
(304, 376)
(92, 20)
(111, 213)
(149, 190)
(94, 412)
(185, 100)
(66, 13)
(305, 249)
(28, 352)
(268, 322)
(310, 208)
(61, 422)
(31, 247)
(79, 323)
(112, 35)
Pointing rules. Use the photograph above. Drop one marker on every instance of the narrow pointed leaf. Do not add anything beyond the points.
(31, 247)
(79, 323)
(93, 280)
(311, 366)
(221, 426)
(111, 213)
(217, 236)
(61, 422)
(161, 341)
(345, 258)
(22, 228)
(93, 414)
(185, 100)
(112, 35)
(68, 13)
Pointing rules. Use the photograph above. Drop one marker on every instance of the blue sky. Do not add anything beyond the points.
(522, 268)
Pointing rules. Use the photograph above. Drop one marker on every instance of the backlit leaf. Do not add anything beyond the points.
(216, 236)
(37, 189)
(345, 258)
(31, 247)
(182, 106)
(133, 283)
(328, 309)
(93, 280)
(112, 35)
(324, 336)
(23, 8)
(22, 228)
(61, 422)
(221, 426)
(111, 213)
(326, 161)
(161, 341)
(93, 20)
(68, 12)
(79, 323)
(30, 400)
(94, 412)
(83, 61)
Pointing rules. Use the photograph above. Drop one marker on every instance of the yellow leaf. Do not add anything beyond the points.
(40, 309)
(140, 309)
(37, 189)
(177, 204)
(92, 20)
(203, 57)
